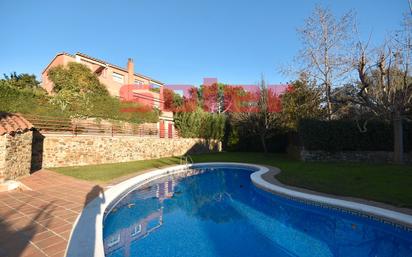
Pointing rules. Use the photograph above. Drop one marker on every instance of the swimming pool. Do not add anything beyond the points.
(217, 211)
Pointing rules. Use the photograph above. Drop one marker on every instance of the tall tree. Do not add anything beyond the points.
(386, 82)
(300, 101)
(324, 56)
(262, 114)
(211, 97)
(21, 81)
(172, 100)
(76, 78)
(76, 86)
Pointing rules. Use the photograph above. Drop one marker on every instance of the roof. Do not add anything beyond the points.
(115, 66)
(102, 62)
(11, 123)
(58, 54)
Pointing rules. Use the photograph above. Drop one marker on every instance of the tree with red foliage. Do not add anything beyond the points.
(274, 103)
(172, 101)
(190, 102)
(210, 98)
(168, 96)
(235, 99)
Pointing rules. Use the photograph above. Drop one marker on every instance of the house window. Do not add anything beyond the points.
(136, 230)
(113, 240)
(138, 82)
(118, 77)
(153, 224)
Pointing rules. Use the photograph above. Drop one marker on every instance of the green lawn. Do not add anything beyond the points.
(107, 172)
(384, 183)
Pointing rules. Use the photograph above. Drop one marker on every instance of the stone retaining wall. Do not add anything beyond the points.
(15, 155)
(352, 156)
(61, 150)
(3, 141)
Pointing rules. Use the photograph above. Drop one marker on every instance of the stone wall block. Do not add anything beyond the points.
(60, 150)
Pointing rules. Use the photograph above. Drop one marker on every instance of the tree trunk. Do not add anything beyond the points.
(398, 138)
(329, 102)
(263, 141)
(329, 110)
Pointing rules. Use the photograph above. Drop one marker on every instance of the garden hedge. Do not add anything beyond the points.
(345, 135)
(200, 124)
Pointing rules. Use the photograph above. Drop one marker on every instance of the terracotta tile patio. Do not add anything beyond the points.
(38, 222)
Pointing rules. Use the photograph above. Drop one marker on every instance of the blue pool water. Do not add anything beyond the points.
(221, 213)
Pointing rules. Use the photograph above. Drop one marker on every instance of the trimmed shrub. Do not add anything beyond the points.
(213, 126)
(343, 135)
(200, 124)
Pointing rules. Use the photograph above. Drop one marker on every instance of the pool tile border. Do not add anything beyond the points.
(345, 210)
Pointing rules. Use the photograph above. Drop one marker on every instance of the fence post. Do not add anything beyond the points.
(74, 129)
(112, 130)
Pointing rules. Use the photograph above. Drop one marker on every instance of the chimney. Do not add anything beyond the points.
(130, 71)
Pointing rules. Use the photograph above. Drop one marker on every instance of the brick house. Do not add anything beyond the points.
(120, 82)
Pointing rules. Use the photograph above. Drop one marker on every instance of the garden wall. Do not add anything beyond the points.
(3, 141)
(15, 155)
(62, 150)
(352, 156)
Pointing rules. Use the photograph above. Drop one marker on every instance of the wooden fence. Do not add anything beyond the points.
(48, 125)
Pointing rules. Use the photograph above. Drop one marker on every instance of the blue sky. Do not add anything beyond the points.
(175, 41)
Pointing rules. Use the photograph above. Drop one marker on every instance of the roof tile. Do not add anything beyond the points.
(11, 123)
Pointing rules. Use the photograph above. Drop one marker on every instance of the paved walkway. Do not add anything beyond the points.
(38, 222)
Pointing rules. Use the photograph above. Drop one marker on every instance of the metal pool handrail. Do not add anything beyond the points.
(186, 159)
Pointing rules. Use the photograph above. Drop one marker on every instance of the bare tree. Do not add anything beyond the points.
(386, 82)
(325, 56)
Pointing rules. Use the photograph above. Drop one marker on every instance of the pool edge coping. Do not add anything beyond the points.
(385, 214)
(95, 210)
